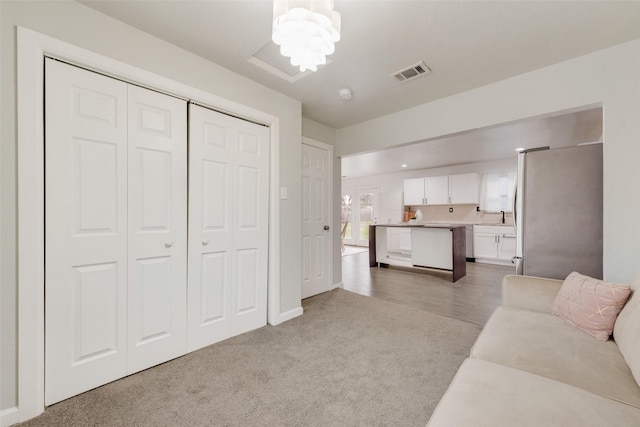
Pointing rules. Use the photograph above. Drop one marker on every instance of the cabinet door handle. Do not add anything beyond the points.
(168, 244)
(205, 242)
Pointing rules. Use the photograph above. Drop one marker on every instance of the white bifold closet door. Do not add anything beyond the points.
(157, 262)
(228, 226)
(115, 238)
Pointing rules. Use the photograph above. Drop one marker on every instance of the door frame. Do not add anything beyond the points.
(329, 149)
(31, 50)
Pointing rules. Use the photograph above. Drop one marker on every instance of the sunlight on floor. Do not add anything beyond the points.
(350, 250)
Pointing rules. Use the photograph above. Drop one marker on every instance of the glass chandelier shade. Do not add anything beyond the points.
(306, 31)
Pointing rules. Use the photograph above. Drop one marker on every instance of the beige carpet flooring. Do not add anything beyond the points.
(349, 360)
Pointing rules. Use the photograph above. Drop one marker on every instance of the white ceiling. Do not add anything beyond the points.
(466, 44)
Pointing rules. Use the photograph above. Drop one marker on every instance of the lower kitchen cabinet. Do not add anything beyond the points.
(494, 244)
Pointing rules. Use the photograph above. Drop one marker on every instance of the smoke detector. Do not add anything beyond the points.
(410, 73)
(345, 93)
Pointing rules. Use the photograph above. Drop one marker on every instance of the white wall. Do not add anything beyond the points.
(318, 131)
(81, 26)
(610, 78)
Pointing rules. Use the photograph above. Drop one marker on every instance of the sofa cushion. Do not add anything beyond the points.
(486, 394)
(590, 304)
(529, 292)
(546, 345)
(626, 331)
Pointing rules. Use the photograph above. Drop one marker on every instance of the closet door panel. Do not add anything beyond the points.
(228, 226)
(210, 226)
(251, 232)
(157, 184)
(86, 235)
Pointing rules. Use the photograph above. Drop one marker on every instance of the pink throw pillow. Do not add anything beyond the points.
(590, 304)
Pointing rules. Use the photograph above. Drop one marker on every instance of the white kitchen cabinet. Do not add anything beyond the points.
(507, 247)
(441, 190)
(436, 190)
(414, 191)
(494, 244)
(463, 188)
(433, 190)
(399, 240)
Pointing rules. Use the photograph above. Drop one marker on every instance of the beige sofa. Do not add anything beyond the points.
(531, 368)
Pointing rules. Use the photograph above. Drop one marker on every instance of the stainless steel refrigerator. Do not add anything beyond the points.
(558, 212)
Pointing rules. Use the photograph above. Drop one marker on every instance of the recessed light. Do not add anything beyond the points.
(403, 166)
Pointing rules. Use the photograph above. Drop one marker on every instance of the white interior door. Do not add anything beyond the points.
(316, 220)
(86, 230)
(157, 269)
(228, 226)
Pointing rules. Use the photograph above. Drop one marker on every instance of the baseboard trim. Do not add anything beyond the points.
(10, 416)
(287, 315)
(338, 285)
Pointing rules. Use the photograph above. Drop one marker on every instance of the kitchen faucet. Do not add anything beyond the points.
(502, 216)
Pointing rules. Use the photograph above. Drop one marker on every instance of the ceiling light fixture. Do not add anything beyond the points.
(306, 31)
(403, 165)
(345, 93)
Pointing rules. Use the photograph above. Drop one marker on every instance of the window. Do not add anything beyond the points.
(496, 192)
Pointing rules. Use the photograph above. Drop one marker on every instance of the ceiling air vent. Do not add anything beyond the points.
(412, 72)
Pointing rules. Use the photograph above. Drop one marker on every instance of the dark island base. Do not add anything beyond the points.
(458, 253)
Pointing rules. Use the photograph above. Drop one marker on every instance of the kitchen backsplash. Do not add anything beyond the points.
(461, 213)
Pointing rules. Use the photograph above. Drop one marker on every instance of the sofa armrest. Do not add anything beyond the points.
(530, 293)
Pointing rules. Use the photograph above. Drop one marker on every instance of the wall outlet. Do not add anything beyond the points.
(450, 209)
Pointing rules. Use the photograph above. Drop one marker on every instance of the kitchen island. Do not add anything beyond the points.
(438, 246)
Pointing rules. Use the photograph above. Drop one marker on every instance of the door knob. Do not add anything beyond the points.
(168, 244)
(205, 242)
(326, 227)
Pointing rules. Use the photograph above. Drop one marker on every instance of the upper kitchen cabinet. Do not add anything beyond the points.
(414, 191)
(463, 188)
(436, 190)
(433, 190)
(442, 190)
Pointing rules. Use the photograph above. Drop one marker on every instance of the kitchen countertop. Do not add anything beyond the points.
(443, 224)
(420, 225)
